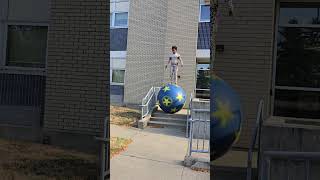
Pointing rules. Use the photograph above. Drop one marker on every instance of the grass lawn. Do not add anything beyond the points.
(124, 116)
(118, 145)
(30, 161)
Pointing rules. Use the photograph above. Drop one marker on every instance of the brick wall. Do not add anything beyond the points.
(77, 88)
(246, 63)
(145, 49)
(154, 26)
(182, 31)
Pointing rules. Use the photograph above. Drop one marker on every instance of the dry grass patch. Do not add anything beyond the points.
(117, 145)
(124, 116)
(30, 161)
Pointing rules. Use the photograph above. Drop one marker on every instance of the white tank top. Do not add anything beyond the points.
(174, 59)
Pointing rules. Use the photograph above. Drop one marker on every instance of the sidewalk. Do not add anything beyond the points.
(154, 154)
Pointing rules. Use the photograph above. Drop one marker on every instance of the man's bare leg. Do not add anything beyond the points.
(176, 76)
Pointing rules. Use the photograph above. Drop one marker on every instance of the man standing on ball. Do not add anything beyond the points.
(174, 61)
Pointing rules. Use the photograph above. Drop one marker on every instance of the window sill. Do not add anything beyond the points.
(23, 70)
(117, 84)
(202, 21)
(119, 27)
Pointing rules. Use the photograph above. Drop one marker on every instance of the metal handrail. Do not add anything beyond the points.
(105, 151)
(148, 94)
(146, 104)
(254, 138)
(190, 130)
(152, 94)
(203, 150)
(190, 108)
(189, 114)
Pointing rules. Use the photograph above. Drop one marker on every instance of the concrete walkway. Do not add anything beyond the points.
(154, 154)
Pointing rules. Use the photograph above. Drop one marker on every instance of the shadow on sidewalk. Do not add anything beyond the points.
(177, 132)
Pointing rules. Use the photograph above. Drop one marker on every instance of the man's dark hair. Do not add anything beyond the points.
(174, 47)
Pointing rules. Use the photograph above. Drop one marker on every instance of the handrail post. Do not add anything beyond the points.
(104, 151)
(190, 137)
(189, 114)
(254, 137)
(150, 98)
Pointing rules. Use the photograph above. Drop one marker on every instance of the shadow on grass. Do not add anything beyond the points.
(31, 161)
(131, 115)
(59, 169)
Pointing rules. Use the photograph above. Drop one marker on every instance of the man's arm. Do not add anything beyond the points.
(168, 62)
(180, 59)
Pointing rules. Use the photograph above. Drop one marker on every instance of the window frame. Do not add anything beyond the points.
(114, 19)
(3, 63)
(111, 75)
(113, 14)
(200, 10)
(203, 69)
(197, 70)
(275, 87)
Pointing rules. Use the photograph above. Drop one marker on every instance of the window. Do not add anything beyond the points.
(293, 14)
(119, 13)
(204, 13)
(297, 78)
(26, 46)
(203, 81)
(119, 19)
(118, 76)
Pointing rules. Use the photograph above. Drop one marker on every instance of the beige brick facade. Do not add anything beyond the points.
(154, 26)
(145, 48)
(182, 31)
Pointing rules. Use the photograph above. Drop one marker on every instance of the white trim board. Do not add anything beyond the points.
(118, 59)
(118, 54)
(119, 5)
(203, 53)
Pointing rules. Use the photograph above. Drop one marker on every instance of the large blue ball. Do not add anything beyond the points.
(171, 98)
(226, 116)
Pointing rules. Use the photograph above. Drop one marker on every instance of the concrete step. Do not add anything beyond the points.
(167, 115)
(170, 124)
(168, 119)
